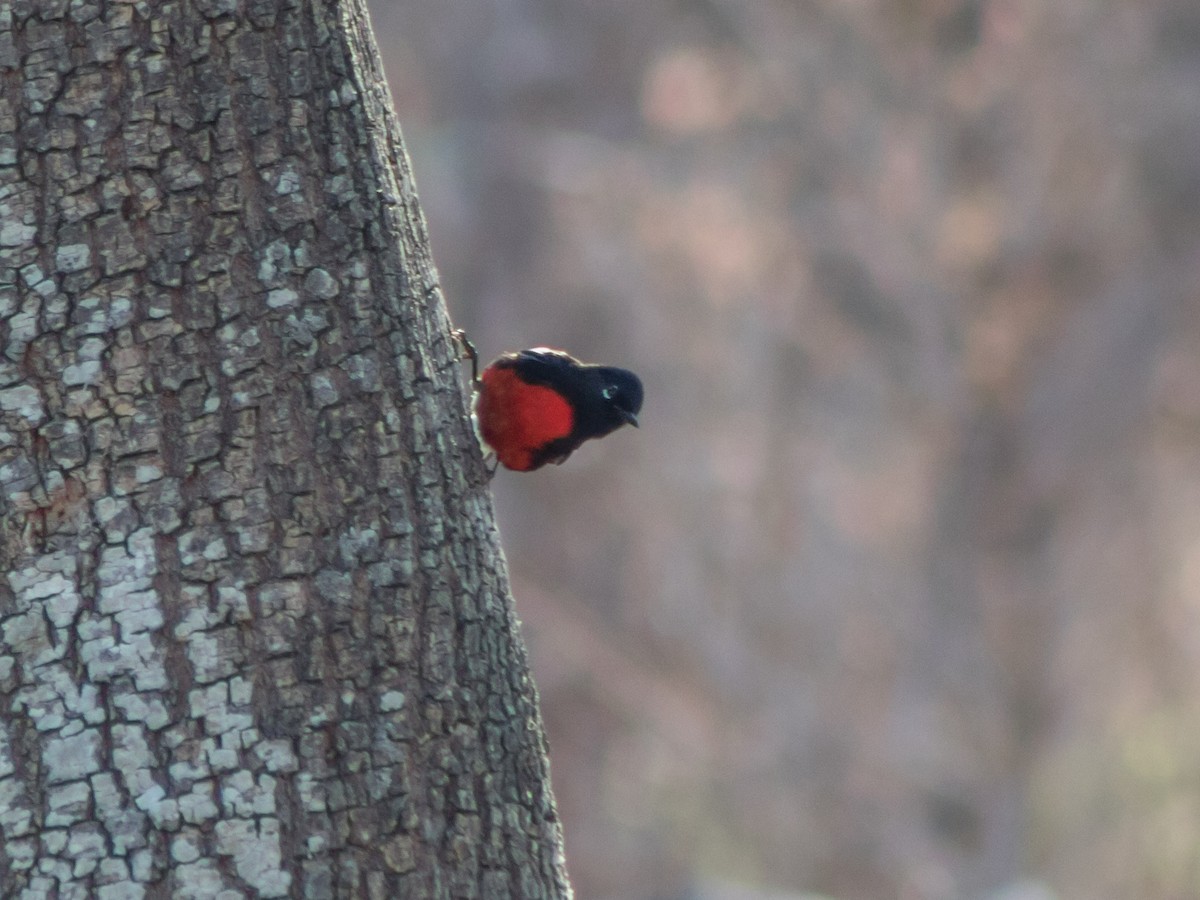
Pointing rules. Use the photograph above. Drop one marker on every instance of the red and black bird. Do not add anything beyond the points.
(537, 406)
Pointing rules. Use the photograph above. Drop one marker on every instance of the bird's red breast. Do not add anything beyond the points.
(517, 419)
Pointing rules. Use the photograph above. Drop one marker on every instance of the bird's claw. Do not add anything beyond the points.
(467, 351)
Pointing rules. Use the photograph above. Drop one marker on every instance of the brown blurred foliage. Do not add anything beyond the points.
(896, 593)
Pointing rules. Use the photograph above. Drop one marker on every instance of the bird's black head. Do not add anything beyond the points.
(621, 393)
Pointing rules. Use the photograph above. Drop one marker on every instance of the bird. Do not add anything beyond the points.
(537, 406)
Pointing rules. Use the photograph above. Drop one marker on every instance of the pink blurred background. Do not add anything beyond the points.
(896, 593)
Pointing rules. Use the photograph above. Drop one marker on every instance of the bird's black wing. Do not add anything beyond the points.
(541, 365)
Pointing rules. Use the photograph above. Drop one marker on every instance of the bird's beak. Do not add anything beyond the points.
(630, 418)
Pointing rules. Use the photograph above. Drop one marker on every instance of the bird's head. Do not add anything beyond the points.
(621, 392)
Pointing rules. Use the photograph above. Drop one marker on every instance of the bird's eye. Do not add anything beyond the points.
(609, 392)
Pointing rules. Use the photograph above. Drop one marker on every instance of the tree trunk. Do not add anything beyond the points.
(255, 630)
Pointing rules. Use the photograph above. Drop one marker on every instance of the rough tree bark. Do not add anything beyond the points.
(255, 630)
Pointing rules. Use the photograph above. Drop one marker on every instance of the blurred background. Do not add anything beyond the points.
(896, 593)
